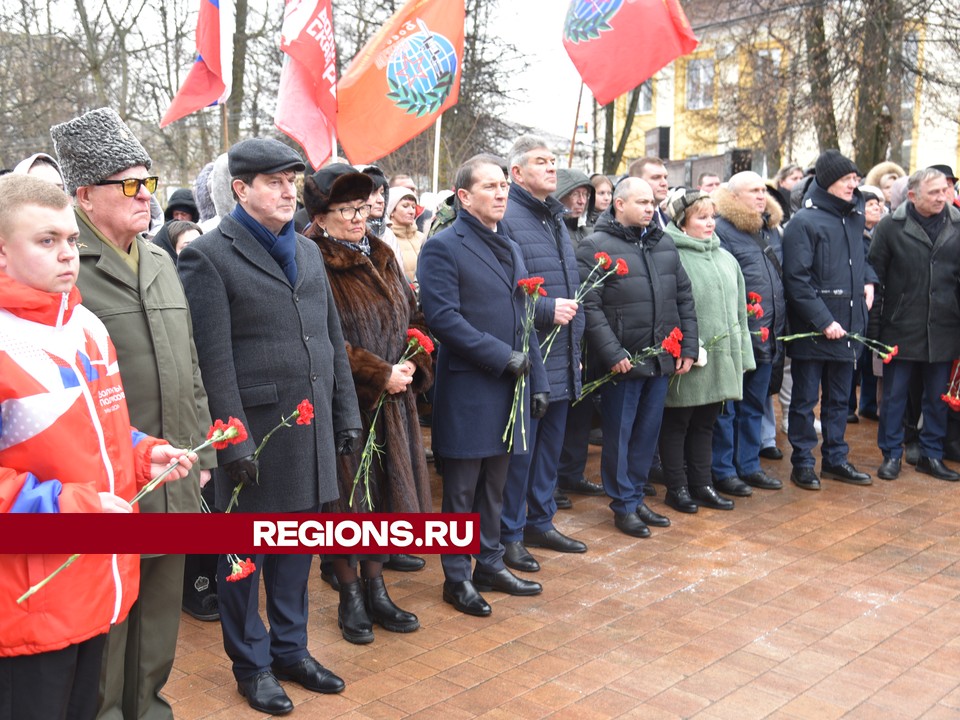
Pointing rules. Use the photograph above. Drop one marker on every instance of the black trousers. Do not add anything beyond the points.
(56, 685)
(686, 438)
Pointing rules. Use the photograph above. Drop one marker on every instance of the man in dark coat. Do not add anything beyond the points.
(829, 289)
(916, 255)
(268, 336)
(534, 220)
(132, 286)
(627, 314)
(748, 227)
(468, 277)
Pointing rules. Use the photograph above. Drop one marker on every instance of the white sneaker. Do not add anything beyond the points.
(816, 426)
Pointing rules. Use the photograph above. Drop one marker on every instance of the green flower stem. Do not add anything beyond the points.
(634, 360)
(521, 382)
(586, 286)
(67, 563)
(371, 448)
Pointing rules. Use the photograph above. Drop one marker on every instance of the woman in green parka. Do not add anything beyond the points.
(695, 399)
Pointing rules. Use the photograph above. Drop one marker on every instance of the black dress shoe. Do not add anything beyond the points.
(596, 436)
(889, 469)
(935, 467)
(631, 524)
(515, 556)
(649, 490)
(264, 693)
(554, 540)
(405, 563)
(761, 480)
(732, 486)
(311, 675)
(562, 501)
(852, 419)
(504, 581)
(706, 496)
(771, 453)
(679, 499)
(805, 478)
(649, 517)
(846, 473)
(582, 486)
(465, 598)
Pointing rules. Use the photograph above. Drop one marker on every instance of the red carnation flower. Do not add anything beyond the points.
(605, 260)
(676, 334)
(227, 433)
(622, 268)
(754, 298)
(764, 334)
(531, 285)
(305, 412)
(417, 337)
(671, 346)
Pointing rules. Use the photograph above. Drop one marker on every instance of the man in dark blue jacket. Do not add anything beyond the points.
(748, 227)
(829, 290)
(468, 277)
(534, 220)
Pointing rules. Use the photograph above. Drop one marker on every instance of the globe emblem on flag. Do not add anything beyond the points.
(421, 72)
(586, 19)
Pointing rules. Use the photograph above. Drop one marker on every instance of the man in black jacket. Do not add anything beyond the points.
(627, 314)
(916, 254)
(829, 289)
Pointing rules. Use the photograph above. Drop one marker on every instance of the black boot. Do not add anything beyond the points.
(383, 612)
(352, 615)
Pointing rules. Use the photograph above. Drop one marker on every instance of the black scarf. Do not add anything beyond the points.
(932, 225)
(282, 247)
(498, 244)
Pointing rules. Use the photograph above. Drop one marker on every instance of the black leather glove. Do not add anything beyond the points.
(518, 364)
(539, 402)
(347, 442)
(243, 471)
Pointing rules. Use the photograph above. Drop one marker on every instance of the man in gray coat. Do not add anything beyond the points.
(268, 336)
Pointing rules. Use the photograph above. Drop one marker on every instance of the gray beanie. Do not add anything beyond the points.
(95, 146)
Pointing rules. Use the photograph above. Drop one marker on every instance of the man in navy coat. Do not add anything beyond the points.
(468, 278)
(268, 336)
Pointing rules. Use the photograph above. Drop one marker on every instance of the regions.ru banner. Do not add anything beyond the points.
(240, 533)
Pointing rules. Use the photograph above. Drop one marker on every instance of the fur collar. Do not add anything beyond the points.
(733, 211)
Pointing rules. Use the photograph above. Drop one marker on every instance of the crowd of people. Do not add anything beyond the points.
(663, 324)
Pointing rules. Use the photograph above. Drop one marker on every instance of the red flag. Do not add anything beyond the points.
(211, 77)
(617, 45)
(402, 79)
(307, 98)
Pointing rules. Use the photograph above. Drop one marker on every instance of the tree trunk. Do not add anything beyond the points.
(612, 158)
(872, 125)
(821, 97)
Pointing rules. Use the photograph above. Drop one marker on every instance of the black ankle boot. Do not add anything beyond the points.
(383, 612)
(352, 615)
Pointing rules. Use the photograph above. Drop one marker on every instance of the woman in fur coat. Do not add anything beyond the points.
(376, 307)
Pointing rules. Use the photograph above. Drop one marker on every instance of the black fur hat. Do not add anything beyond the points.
(335, 183)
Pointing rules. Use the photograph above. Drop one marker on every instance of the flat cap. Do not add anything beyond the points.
(262, 156)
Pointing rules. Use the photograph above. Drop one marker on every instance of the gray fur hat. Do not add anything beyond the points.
(94, 146)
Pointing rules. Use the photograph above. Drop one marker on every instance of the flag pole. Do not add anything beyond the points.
(573, 138)
(225, 130)
(436, 152)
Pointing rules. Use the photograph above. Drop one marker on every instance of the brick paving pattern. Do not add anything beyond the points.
(842, 603)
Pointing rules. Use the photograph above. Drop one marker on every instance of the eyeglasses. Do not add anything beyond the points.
(351, 213)
(131, 186)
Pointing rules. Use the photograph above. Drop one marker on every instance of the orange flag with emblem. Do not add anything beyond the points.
(402, 79)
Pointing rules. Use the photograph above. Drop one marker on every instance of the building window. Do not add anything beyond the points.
(700, 84)
(645, 104)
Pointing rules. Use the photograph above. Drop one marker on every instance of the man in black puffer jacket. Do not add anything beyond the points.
(829, 289)
(627, 314)
(534, 220)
